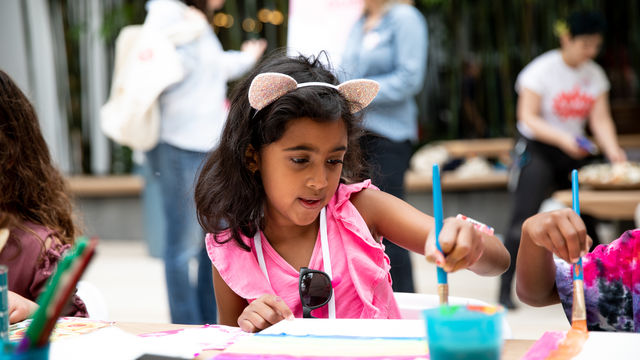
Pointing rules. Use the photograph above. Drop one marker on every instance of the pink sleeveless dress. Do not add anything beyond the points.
(361, 280)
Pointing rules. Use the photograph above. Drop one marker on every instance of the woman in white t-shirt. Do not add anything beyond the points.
(560, 92)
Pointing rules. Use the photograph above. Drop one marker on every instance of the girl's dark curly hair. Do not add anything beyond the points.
(31, 188)
(227, 194)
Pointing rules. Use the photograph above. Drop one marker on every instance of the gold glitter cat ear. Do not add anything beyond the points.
(268, 87)
(359, 92)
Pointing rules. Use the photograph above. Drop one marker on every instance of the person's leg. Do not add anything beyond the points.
(533, 183)
(153, 211)
(388, 161)
(176, 169)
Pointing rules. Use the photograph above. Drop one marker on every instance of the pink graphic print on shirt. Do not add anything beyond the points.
(572, 104)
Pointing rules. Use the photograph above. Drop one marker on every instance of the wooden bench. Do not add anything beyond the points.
(450, 182)
(490, 148)
(604, 204)
(105, 186)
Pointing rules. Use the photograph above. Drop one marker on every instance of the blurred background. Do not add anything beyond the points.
(61, 53)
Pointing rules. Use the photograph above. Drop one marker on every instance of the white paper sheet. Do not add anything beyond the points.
(350, 327)
(610, 345)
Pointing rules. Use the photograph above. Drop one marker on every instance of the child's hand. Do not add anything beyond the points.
(263, 312)
(462, 243)
(20, 308)
(562, 232)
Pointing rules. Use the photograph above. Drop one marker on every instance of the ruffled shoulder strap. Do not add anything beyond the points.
(344, 192)
(367, 263)
(237, 267)
(342, 208)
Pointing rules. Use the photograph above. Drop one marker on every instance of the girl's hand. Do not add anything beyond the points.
(617, 155)
(20, 308)
(562, 232)
(263, 312)
(462, 243)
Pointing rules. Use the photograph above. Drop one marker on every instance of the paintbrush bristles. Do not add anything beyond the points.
(579, 310)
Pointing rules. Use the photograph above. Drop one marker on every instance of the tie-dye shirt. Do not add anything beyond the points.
(611, 285)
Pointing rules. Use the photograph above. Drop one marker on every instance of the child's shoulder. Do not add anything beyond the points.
(631, 235)
(345, 191)
(629, 239)
(222, 247)
(34, 237)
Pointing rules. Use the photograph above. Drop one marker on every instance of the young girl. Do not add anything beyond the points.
(282, 192)
(35, 212)
(611, 272)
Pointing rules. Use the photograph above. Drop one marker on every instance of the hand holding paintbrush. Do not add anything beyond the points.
(459, 243)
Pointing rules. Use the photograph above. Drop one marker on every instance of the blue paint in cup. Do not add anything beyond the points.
(464, 332)
(8, 352)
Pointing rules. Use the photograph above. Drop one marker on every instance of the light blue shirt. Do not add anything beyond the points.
(193, 111)
(394, 54)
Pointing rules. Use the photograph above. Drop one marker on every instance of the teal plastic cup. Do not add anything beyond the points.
(464, 332)
(9, 352)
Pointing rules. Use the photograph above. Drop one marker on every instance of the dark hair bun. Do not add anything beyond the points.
(586, 23)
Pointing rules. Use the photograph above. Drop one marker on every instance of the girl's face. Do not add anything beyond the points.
(582, 47)
(301, 171)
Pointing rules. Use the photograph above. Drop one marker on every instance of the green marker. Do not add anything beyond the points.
(4, 303)
(34, 330)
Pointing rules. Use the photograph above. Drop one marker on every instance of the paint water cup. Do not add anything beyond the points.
(464, 332)
(8, 352)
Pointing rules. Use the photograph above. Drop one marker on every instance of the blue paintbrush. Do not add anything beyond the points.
(579, 311)
(443, 286)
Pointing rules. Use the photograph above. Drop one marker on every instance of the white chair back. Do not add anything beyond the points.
(93, 300)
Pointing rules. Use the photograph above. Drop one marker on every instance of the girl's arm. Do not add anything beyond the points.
(233, 310)
(464, 246)
(229, 304)
(560, 232)
(604, 130)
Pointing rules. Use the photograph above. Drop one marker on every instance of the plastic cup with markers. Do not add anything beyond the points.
(9, 351)
(464, 332)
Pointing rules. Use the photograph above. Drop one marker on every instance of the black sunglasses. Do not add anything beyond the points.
(315, 290)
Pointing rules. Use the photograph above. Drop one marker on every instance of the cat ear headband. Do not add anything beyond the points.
(269, 87)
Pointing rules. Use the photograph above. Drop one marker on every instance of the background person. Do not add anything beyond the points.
(192, 116)
(388, 44)
(560, 92)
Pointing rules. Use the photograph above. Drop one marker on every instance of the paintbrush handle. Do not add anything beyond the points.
(443, 288)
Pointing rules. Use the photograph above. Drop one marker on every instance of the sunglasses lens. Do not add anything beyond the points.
(315, 289)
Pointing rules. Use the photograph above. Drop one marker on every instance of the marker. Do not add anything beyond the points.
(4, 303)
(41, 316)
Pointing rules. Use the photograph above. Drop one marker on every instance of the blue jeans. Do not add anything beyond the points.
(176, 171)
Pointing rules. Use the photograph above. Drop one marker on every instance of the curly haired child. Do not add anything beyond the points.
(35, 210)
